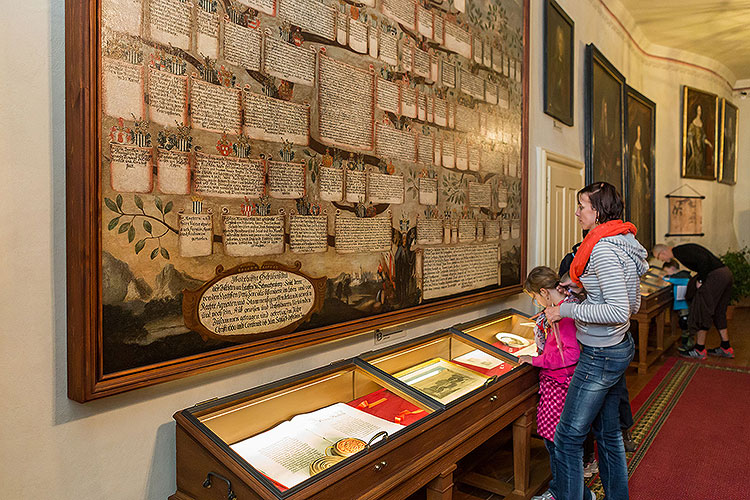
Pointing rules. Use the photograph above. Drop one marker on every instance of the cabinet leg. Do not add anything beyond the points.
(522, 452)
(660, 330)
(441, 488)
(643, 328)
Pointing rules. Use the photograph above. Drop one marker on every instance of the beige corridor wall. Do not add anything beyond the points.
(742, 189)
(122, 448)
(660, 81)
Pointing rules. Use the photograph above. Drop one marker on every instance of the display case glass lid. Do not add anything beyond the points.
(510, 331)
(653, 281)
(291, 433)
(447, 366)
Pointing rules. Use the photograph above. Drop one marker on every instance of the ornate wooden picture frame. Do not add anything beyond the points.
(604, 124)
(641, 165)
(161, 103)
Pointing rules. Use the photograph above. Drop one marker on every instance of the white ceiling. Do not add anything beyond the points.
(718, 29)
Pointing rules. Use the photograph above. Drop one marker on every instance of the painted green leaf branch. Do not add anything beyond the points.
(126, 221)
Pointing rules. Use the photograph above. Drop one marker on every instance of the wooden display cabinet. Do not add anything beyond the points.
(450, 345)
(656, 301)
(475, 471)
(422, 454)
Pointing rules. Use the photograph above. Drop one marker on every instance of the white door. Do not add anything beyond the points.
(564, 180)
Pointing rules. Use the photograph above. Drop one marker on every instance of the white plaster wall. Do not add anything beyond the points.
(122, 448)
(742, 188)
(658, 80)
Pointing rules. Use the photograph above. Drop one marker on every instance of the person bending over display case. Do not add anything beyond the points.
(714, 289)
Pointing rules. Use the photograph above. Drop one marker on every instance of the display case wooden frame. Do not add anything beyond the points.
(86, 378)
(424, 453)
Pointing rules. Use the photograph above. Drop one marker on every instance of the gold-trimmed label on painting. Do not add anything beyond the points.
(250, 301)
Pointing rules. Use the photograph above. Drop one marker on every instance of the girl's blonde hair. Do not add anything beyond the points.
(541, 277)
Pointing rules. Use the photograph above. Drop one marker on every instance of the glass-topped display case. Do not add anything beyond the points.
(295, 431)
(653, 282)
(510, 331)
(446, 366)
(383, 424)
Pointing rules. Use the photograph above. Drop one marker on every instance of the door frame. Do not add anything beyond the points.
(542, 187)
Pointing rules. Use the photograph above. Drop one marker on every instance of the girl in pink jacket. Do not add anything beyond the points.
(558, 354)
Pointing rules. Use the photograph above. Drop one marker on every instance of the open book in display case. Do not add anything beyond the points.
(375, 426)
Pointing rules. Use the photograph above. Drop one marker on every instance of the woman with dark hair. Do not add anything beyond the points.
(608, 265)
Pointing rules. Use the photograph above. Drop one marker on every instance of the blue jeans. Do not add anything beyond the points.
(550, 445)
(593, 400)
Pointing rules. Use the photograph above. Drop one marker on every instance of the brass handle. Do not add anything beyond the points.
(381, 465)
(207, 484)
(493, 398)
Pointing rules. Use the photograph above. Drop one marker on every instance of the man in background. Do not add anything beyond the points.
(709, 306)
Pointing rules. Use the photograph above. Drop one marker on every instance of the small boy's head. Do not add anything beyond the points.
(671, 266)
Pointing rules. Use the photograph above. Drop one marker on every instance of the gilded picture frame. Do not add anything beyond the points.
(700, 134)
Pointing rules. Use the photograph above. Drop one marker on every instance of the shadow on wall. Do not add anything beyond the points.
(161, 476)
(743, 223)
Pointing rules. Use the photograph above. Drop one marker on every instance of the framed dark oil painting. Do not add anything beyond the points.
(700, 134)
(641, 134)
(604, 121)
(559, 31)
(728, 148)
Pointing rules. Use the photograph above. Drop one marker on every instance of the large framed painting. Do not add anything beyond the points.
(641, 167)
(249, 177)
(700, 134)
(559, 37)
(728, 147)
(605, 127)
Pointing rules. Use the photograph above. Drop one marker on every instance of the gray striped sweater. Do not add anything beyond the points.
(612, 283)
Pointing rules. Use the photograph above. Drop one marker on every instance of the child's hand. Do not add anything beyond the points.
(524, 359)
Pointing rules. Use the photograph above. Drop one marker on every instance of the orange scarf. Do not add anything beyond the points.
(611, 228)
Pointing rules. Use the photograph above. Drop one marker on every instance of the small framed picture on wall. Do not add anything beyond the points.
(728, 148)
(559, 31)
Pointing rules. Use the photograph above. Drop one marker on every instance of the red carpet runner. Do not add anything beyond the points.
(692, 426)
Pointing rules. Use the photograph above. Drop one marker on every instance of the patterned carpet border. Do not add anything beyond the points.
(654, 412)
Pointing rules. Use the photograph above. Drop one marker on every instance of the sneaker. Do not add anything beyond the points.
(688, 342)
(547, 495)
(721, 352)
(627, 440)
(694, 354)
(590, 469)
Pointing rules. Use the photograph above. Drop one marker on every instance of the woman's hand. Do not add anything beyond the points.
(552, 313)
(567, 286)
(524, 360)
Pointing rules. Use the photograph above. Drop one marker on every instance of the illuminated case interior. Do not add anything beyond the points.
(234, 418)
